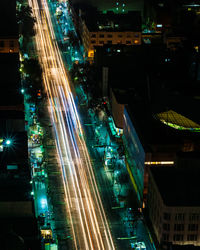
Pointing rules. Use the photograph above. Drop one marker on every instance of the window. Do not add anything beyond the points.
(178, 227)
(109, 35)
(193, 217)
(119, 35)
(166, 227)
(2, 44)
(192, 227)
(101, 42)
(136, 35)
(128, 42)
(93, 41)
(93, 35)
(179, 216)
(101, 35)
(128, 35)
(167, 216)
(165, 237)
(192, 237)
(178, 237)
(11, 43)
(109, 42)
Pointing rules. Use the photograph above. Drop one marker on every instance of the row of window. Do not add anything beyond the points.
(180, 237)
(11, 44)
(181, 217)
(111, 35)
(180, 227)
(110, 42)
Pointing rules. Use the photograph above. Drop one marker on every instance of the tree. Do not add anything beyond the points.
(26, 21)
(73, 39)
(33, 69)
(33, 72)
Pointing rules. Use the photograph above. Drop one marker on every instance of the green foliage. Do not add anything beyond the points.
(33, 72)
(26, 21)
(32, 69)
(73, 39)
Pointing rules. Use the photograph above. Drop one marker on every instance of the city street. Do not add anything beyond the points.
(84, 208)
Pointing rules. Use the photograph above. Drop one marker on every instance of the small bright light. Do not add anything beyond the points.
(32, 193)
(8, 142)
(22, 91)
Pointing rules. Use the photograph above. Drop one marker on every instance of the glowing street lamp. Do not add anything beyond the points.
(8, 142)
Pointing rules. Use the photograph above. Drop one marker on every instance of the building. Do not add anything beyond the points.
(173, 205)
(113, 74)
(11, 97)
(19, 228)
(135, 156)
(98, 29)
(8, 33)
(115, 6)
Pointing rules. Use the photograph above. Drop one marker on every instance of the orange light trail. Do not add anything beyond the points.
(84, 208)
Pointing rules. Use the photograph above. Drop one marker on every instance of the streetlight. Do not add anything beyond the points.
(8, 142)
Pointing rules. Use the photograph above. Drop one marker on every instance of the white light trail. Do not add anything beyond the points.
(89, 225)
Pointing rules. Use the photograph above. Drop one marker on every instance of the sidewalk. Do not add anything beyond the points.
(47, 184)
(104, 148)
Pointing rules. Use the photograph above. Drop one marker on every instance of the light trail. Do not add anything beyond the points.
(84, 208)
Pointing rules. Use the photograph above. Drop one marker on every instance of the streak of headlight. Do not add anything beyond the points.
(55, 75)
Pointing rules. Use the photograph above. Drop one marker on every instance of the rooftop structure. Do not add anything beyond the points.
(8, 19)
(97, 29)
(112, 22)
(117, 6)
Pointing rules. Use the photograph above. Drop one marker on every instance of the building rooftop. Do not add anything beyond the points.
(9, 28)
(152, 131)
(109, 5)
(10, 80)
(9, 70)
(178, 187)
(113, 22)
